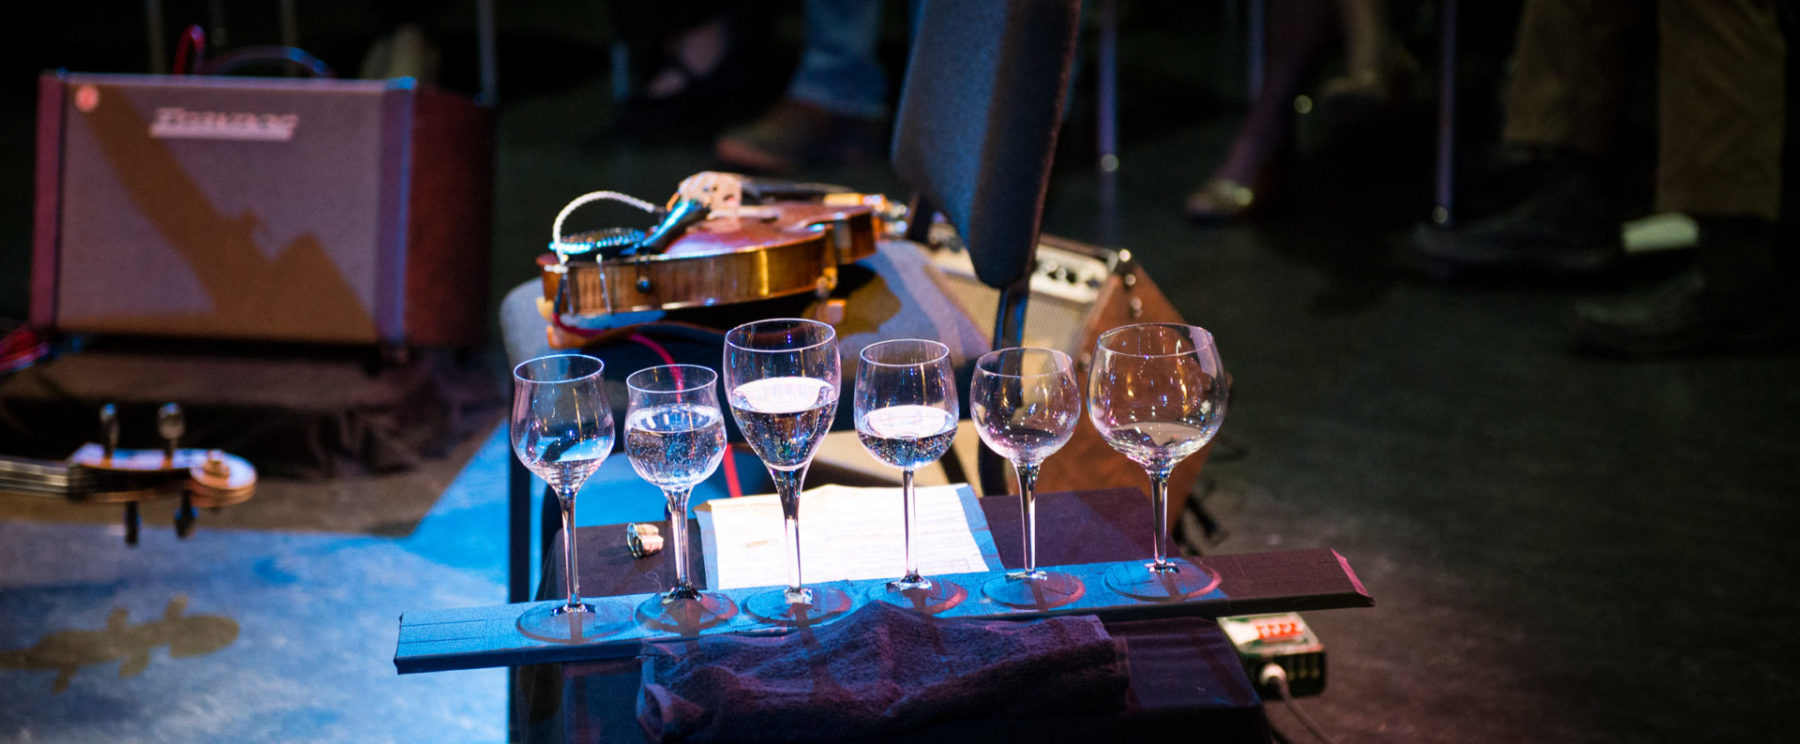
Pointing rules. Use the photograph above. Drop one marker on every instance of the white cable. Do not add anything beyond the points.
(556, 227)
(1273, 672)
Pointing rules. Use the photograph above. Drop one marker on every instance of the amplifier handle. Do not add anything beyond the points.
(229, 62)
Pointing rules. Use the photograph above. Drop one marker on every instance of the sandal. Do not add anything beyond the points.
(1221, 199)
(1360, 97)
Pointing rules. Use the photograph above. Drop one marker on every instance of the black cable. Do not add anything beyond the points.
(1274, 673)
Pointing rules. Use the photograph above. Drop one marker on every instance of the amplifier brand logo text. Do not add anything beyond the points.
(173, 122)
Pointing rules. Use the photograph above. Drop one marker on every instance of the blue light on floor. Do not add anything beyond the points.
(316, 616)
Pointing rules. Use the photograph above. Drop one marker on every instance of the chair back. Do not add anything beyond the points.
(975, 134)
(976, 127)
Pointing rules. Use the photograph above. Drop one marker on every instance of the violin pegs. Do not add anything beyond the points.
(170, 425)
(109, 430)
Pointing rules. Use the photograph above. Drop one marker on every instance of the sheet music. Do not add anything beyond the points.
(845, 533)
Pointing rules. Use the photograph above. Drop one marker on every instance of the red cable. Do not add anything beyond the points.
(732, 486)
(654, 346)
(20, 348)
(192, 40)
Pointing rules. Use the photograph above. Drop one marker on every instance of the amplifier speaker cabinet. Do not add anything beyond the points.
(262, 209)
(1078, 293)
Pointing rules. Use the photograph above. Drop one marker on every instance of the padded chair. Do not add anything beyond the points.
(975, 134)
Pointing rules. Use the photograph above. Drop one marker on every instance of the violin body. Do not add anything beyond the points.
(105, 474)
(757, 253)
(210, 478)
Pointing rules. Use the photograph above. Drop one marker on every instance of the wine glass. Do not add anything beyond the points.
(781, 380)
(1025, 405)
(1157, 393)
(562, 429)
(675, 438)
(906, 413)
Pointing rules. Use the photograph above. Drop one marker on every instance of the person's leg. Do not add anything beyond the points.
(1379, 75)
(1721, 120)
(1564, 102)
(663, 51)
(1720, 109)
(1366, 36)
(835, 110)
(1298, 32)
(840, 70)
(1569, 66)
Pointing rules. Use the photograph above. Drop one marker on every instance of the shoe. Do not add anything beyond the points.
(682, 86)
(1361, 98)
(1732, 299)
(406, 52)
(1220, 200)
(795, 134)
(1566, 228)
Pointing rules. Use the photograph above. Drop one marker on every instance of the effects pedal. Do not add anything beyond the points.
(1283, 639)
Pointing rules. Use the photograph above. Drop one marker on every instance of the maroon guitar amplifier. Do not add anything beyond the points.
(267, 209)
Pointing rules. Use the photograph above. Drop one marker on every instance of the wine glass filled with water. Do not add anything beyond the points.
(675, 437)
(562, 430)
(1157, 393)
(781, 381)
(906, 413)
(1025, 405)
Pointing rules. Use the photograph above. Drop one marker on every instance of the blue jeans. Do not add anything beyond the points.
(839, 69)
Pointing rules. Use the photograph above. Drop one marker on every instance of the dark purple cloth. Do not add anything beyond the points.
(881, 671)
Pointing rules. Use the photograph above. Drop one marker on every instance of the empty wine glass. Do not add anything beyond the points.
(675, 437)
(906, 413)
(1025, 405)
(1157, 393)
(781, 380)
(562, 429)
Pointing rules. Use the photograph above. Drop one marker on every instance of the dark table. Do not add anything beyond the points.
(1186, 681)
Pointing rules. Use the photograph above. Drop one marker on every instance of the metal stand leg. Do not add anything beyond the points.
(1107, 111)
(1443, 210)
(518, 532)
(1256, 48)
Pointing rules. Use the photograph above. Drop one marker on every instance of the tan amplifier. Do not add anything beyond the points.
(1078, 291)
(271, 209)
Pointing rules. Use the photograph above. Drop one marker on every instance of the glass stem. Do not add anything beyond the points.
(1028, 475)
(912, 517)
(787, 485)
(678, 499)
(1159, 503)
(574, 578)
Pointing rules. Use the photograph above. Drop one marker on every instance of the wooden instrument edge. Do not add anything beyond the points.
(707, 267)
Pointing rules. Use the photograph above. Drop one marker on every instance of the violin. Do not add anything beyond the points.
(711, 249)
(102, 473)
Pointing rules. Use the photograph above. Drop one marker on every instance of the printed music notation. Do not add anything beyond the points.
(845, 534)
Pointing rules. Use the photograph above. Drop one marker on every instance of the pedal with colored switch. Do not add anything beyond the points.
(1283, 639)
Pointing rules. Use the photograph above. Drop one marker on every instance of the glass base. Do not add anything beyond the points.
(1175, 581)
(686, 615)
(925, 595)
(1038, 590)
(560, 624)
(819, 603)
